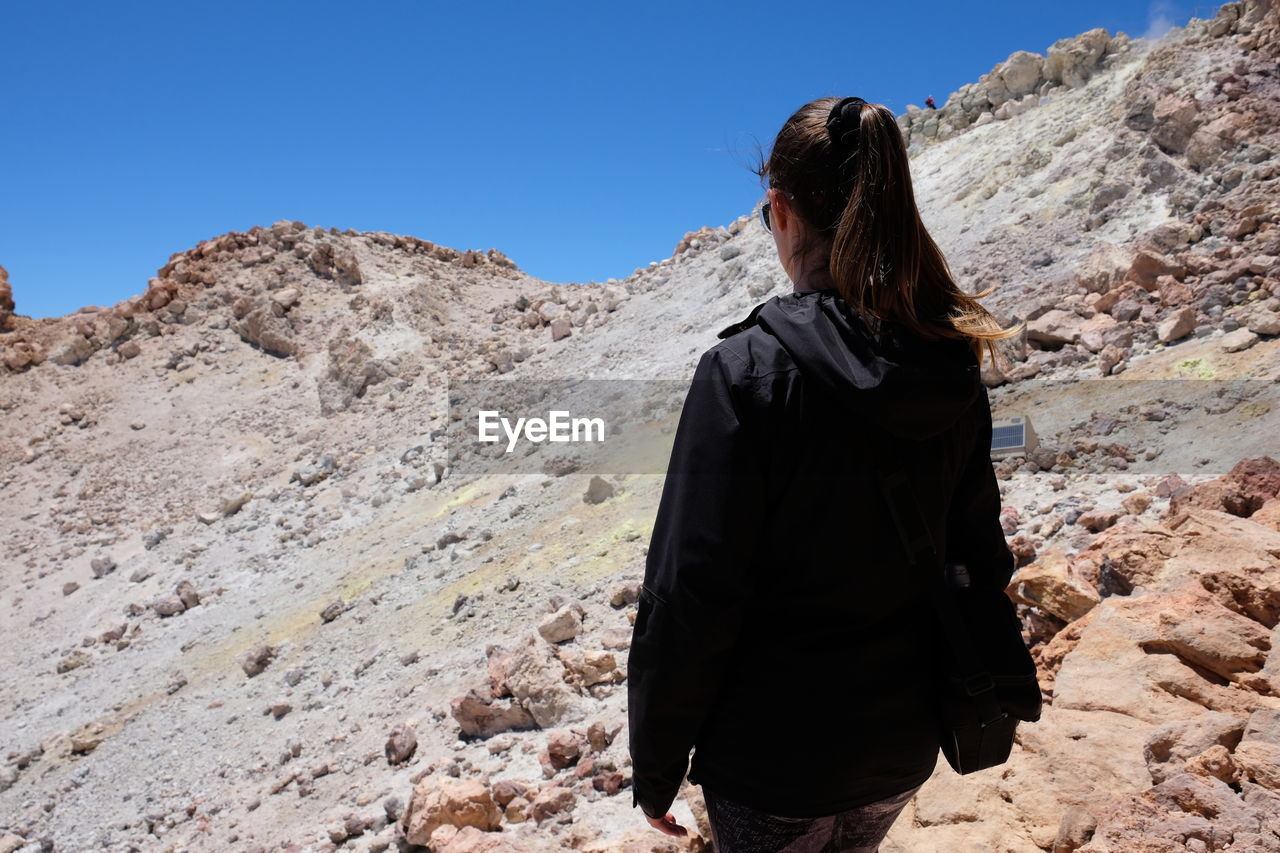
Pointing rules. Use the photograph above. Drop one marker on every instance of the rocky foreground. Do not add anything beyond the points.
(253, 607)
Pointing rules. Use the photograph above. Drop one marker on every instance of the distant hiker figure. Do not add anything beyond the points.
(779, 633)
(928, 102)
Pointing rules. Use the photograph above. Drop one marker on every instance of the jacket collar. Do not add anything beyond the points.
(745, 323)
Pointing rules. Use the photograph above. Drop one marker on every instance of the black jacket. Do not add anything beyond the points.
(779, 632)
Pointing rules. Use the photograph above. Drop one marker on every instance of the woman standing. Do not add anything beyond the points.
(780, 632)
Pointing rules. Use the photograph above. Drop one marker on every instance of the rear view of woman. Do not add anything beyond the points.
(781, 634)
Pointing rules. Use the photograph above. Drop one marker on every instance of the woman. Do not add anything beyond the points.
(780, 633)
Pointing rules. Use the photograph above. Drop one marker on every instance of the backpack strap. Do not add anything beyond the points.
(913, 533)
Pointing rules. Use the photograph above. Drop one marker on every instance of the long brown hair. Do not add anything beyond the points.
(854, 192)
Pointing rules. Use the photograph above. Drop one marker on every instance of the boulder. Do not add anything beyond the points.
(255, 660)
(1172, 291)
(1098, 519)
(267, 330)
(1241, 491)
(1174, 743)
(1072, 61)
(562, 625)
(1125, 291)
(1187, 807)
(401, 744)
(552, 801)
(1237, 340)
(1049, 584)
(1258, 755)
(169, 605)
(1261, 321)
(565, 747)
(1177, 325)
(1138, 636)
(443, 801)
(598, 491)
(1147, 267)
(1096, 332)
(1109, 357)
(588, 668)
(351, 370)
(535, 677)
(1173, 122)
(1055, 327)
(481, 715)
(1020, 73)
(1214, 139)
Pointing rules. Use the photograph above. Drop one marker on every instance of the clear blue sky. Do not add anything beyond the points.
(582, 140)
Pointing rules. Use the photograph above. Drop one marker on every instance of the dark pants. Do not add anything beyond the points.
(736, 828)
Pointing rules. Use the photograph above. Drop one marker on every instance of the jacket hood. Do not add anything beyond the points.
(911, 387)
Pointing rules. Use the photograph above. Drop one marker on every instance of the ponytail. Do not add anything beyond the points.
(846, 167)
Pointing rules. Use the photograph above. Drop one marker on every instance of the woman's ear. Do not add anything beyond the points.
(779, 211)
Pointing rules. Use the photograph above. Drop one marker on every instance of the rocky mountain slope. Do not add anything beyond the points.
(252, 607)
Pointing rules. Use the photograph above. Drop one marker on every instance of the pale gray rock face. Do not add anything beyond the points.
(239, 563)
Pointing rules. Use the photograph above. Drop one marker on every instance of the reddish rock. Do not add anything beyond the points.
(1009, 520)
(565, 747)
(607, 783)
(1103, 268)
(587, 668)
(1240, 339)
(1023, 549)
(1050, 584)
(554, 800)
(479, 715)
(1174, 119)
(1055, 327)
(1147, 267)
(1172, 291)
(1170, 485)
(1269, 516)
(256, 660)
(1241, 491)
(441, 801)
(402, 743)
(1094, 332)
(532, 673)
(1136, 504)
(507, 790)
(1109, 357)
(1125, 291)
(1098, 519)
(1177, 325)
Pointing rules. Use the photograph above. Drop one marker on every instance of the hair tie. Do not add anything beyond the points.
(844, 120)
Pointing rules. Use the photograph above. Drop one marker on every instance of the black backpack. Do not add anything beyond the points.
(989, 683)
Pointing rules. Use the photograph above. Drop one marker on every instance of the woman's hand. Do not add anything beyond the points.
(667, 824)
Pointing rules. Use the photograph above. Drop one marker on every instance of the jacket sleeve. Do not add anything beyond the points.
(974, 535)
(697, 581)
